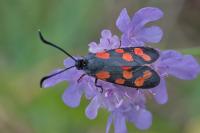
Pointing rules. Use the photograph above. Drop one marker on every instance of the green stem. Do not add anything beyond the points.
(192, 51)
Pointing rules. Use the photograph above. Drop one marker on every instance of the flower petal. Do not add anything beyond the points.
(92, 109)
(168, 54)
(187, 68)
(109, 122)
(94, 48)
(130, 42)
(151, 34)
(106, 34)
(160, 92)
(181, 66)
(135, 33)
(104, 43)
(66, 75)
(115, 41)
(90, 90)
(140, 117)
(145, 15)
(69, 62)
(72, 95)
(107, 42)
(52, 80)
(119, 123)
(144, 119)
(123, 21)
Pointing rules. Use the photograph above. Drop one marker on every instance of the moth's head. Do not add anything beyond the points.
(81, 64)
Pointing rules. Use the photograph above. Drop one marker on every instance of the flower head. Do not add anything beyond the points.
(124, 103)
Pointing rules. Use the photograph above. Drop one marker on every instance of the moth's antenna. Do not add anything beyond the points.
(49, 76)
(54, 45)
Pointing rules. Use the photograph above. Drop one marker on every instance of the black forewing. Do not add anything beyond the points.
(117, 60)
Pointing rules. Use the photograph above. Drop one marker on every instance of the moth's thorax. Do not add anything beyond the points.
(93, 64)
(81, 64)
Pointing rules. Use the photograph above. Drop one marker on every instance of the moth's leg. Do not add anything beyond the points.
(79, 79)
(98, 86)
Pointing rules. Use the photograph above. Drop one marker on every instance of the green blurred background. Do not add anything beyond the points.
(26, 108)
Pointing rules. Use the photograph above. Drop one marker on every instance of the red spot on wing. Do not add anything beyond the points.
(127, 74)
(146, 57)
(103, 55)
(126, 67)
(139, 82)
(119, 50)
(128, 57)
(103, 75)
(147, 74)
(120, 81)
(140, 52)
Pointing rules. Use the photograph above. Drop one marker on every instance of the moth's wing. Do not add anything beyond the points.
(137, 77)
(143, 55)
(131, 56)
(143, 77)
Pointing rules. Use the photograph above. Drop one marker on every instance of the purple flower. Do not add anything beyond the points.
(107, 42)
(123, 103)
(134, 30)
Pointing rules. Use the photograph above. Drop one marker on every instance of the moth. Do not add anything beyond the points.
(128, 66)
